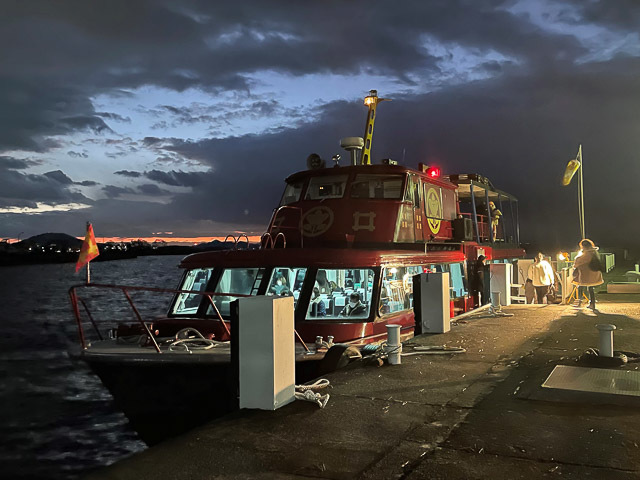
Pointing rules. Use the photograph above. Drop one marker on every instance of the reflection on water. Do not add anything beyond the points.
(56, 419)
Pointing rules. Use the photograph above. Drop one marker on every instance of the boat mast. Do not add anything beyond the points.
(370, 101)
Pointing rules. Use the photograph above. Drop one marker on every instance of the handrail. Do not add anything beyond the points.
(126, 288)
(283, 227)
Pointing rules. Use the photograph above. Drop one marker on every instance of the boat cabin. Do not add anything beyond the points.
(379, 285)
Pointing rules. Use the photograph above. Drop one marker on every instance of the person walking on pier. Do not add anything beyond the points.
(587, 271)
(541, 274)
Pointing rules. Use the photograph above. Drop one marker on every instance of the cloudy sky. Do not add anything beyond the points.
(185, 117)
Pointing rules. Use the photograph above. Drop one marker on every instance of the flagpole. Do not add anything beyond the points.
(581, 196)
(88, 273)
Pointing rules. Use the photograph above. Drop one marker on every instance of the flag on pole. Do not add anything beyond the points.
(89, 249)
(570, 171)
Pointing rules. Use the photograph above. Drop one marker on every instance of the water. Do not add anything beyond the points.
(57, 421)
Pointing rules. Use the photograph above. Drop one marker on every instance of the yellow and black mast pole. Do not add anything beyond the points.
(370, 101)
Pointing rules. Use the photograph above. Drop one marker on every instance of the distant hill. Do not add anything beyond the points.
(60, 239)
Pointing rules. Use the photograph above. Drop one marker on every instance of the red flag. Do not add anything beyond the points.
(89, 249)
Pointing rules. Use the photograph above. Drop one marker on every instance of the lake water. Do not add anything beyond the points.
(57, 421)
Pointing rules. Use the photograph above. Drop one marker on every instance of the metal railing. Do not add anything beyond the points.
(126, 289)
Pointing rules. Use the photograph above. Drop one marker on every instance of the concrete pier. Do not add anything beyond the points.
(479, 414)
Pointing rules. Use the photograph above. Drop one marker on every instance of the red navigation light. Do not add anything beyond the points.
(433, 172)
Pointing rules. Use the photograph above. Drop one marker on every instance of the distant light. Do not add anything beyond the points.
(393, 270)
(563, 256)
(433, 172)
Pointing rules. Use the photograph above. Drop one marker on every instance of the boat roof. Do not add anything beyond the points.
(318, 258)
(367, 169)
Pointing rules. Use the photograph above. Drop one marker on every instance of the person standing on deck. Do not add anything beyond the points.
(495, 219)
(587, 271)
(542, 276)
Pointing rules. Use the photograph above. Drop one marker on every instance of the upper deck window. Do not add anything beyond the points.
(292, 193)
(326, 187)
(377, 186)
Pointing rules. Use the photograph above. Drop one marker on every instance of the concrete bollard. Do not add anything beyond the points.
(394, 347)
(606, 339)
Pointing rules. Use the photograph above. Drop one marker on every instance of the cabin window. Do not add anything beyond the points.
(341, 294)
(377, 186)
(234, 282)
(412, 193)
(326, 187)
(195, 279)
(292, 193)
(449, 204)
(287, 282)
(396, 293)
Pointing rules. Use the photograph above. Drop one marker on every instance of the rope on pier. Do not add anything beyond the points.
(307, 393)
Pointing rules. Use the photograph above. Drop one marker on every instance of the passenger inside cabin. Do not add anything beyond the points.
(324, 285)
(355, 308)
(384, 302)
(317, 308)
(280, 287)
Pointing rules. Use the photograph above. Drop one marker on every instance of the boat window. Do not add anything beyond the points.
(195, 279)
(396, 293)
(233, 282)
(292, 193)
(341, 294)
(326, 187)
(377, 186)
(412, 192)
(287, 282)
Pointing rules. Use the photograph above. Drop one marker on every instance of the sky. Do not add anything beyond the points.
(165, 118)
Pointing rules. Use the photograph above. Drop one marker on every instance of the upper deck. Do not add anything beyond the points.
(378, 205)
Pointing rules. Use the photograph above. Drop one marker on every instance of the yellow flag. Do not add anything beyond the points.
(89, 249)
(570, 171)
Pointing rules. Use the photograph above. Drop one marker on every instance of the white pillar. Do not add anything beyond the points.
(606, 339)
(431, 302)
(501, 275)
(266, 346)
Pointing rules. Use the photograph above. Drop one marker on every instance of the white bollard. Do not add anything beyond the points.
(606, 339)
(495, 300)
(394, 347)
(637, 267)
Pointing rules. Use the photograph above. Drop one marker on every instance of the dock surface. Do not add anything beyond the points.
(475, 415)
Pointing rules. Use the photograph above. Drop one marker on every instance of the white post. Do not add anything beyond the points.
(501, 280)
(266, 346)
(394, 347)
(432, 302)
(606, 339)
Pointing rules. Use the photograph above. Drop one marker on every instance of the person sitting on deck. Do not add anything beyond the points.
(355, 308)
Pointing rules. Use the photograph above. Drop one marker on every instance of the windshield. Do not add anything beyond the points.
(238, 281)
(326, 187)
(377, 186)
(341, 293)
(287, 282)
(195, 279)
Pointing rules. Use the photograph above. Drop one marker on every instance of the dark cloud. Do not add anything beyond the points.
(128, 173)
(73, 154)
(113, 191)
(176, 178)
(16, 163)
(152, 190)
(87, 183)
(114, 116)
(59, 177)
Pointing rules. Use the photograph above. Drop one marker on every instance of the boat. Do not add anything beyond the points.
(345, 242)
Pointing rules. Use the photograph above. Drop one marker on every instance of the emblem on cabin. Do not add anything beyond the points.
(434, 210)
(316, 221)
(369, 217)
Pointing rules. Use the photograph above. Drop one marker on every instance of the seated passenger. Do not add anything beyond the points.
(323, 283)
(317, 308)
(355, 308)
(280, 287)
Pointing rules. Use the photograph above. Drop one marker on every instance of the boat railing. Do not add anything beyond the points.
(483, 232)
(236, 240)
(76, 301)
(268, 240)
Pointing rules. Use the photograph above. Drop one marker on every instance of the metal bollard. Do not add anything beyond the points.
(606, 339)
(394, 347)
(495, 300)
